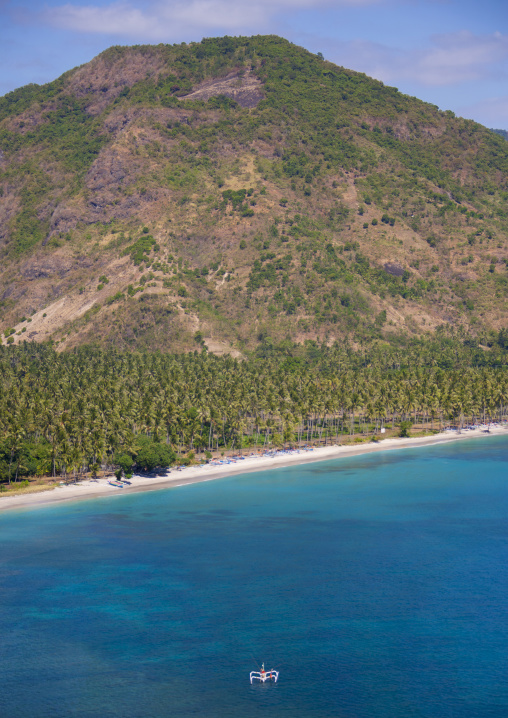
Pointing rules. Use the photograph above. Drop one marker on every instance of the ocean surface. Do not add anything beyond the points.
(377, 585)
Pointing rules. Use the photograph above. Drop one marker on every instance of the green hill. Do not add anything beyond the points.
(240, 191)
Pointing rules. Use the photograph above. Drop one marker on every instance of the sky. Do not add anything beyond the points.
(452, 53)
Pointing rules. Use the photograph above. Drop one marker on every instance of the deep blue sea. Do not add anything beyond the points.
(377, 585)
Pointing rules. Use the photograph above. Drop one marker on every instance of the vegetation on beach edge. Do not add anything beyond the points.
(89, 410)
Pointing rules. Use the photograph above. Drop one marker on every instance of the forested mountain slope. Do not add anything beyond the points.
(240, 189)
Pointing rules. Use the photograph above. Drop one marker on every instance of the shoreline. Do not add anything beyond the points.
(196, 474)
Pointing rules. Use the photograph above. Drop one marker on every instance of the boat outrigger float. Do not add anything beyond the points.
(264, 676)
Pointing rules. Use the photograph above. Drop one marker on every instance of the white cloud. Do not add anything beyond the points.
(451, 59)
(492, 112)
(461, 57)
(115, 19)
(156, 23)
(164, 19)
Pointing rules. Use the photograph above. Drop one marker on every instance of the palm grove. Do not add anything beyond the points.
(62, 414)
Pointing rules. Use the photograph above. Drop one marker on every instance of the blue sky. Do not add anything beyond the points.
(453, 53)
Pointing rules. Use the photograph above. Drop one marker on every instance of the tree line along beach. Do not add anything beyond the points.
(89, 488)
(85, 415)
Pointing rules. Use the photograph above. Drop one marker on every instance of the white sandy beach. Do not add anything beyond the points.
(207, 472)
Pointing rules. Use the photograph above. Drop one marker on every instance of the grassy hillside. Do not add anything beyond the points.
(240, 190)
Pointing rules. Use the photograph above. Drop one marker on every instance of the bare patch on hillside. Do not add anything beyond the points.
(104, 78)
(9, 207)
(119, 183)
(222, 348)
(75, 303)
(394, 269)
(242, 87)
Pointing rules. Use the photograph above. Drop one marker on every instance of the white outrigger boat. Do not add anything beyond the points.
(264, 676)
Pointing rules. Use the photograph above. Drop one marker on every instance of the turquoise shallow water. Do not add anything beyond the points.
(378, 585)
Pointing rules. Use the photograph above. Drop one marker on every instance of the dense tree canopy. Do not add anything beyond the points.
(60, 413)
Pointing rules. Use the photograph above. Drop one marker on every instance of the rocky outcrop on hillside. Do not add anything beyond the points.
(242, 86)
